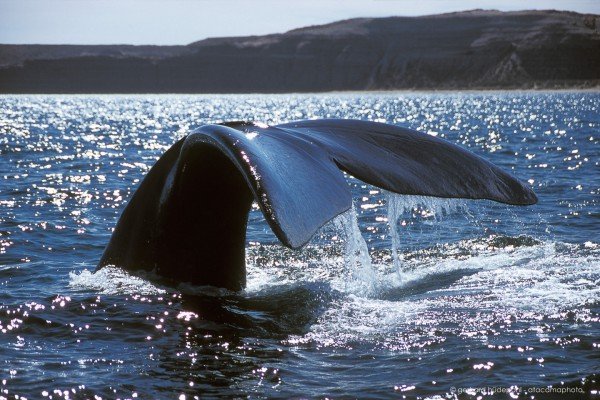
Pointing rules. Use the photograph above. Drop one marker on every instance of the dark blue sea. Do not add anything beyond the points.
(401, 297)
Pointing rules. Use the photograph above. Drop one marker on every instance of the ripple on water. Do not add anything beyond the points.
(463, 294)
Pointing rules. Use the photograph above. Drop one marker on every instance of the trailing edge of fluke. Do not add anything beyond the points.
(187, 220)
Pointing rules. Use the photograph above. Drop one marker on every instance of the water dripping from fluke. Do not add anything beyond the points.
(394, 211)
(365, 278)
(357, 260)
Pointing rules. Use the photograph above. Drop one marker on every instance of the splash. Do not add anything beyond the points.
(111, 280)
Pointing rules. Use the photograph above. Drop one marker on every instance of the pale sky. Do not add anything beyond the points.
(184, 21)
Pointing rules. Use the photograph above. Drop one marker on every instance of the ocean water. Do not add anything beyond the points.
(401, 297)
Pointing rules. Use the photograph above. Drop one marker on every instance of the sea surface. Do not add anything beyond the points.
(401, 297)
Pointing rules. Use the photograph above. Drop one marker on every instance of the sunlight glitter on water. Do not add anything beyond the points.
(486, 294)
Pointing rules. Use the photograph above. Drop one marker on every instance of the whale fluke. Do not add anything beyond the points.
(187, 220)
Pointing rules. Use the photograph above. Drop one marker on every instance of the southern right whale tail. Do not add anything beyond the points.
(187, 220)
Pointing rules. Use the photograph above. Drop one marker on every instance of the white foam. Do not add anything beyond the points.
(271, 266)
(111, 280)
(524, 283)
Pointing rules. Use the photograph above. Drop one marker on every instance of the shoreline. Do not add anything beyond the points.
(595, 89)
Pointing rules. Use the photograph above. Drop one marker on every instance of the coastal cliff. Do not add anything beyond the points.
(467, 50)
